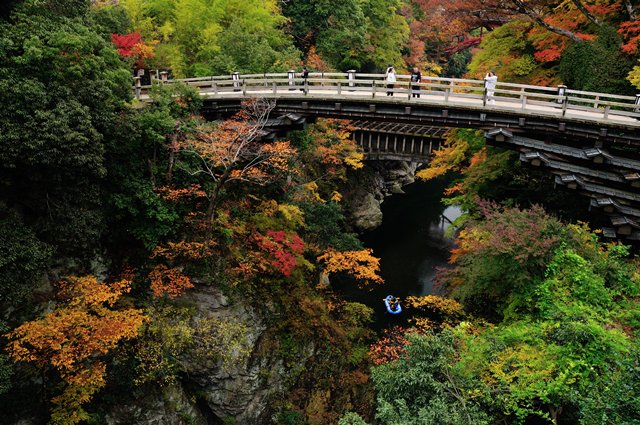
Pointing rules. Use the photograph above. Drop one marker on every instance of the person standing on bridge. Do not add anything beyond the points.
(305, 83)
(390, 76)
(416, 77)
(490, 81)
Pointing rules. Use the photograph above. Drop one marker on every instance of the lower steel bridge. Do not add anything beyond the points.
(589, 141)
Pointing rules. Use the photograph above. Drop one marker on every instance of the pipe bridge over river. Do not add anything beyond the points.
(589, 141)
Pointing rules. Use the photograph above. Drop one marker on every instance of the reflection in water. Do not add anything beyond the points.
(411, 244)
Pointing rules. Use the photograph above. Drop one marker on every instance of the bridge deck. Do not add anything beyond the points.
(599, 109)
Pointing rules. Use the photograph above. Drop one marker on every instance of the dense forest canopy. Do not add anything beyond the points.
(142, 247)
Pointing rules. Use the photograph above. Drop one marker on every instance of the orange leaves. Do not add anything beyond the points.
(630, 31)
(72, 337)
(361, 265)
(334, 146)
(177, 195)
(230, 151)
(169, 281)
(390, 347)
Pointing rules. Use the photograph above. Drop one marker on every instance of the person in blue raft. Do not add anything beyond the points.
(393, 304)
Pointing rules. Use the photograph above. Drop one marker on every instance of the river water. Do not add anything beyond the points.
(411, 244)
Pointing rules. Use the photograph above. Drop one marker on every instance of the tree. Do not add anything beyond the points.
(23, 260)
(361, 265)
(598, 66)
(73, 338)
(67, 85)
(198, 37)
(424, 386)
(231, 152)
(501, 256)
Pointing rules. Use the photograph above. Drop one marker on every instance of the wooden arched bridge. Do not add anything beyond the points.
(589, 141)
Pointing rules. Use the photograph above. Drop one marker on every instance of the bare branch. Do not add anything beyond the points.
(524, 8)
(586, 13)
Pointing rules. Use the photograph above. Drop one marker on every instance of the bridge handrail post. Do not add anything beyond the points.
(485, 95)
(215, 86)
(449, 90)
(305, 88)
(595, 104)
(339, 87)
(637, 103)
(244, 88)
(409, 91)
(235, 77)
(138, 85)
(606, 112)
(524, 101)
(164, 76)
(373, 89)
(351, 75)
(275, 87)
(562, 91)
(291, 74)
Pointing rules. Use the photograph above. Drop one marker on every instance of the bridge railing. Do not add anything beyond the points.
(439, 90)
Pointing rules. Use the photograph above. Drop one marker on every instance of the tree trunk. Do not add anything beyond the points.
(555, 412)
(215, 193)
(633, 14)
(172, 156)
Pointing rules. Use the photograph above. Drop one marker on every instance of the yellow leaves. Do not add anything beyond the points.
(336, 196)
(292, 214)
(435, 303)
(71, 338)
(634, 76)
(188, 250)
(354, 160)
(450, 157)
(361, 265)
(440, 312)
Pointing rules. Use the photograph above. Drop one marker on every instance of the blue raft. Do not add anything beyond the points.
(387, 303)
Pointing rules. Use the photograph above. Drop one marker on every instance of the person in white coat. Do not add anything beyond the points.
(390, 77)
(490, 81)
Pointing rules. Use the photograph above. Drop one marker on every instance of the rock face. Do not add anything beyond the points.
(365, 193)
(208, 392)
(241, 392)
(167, 407)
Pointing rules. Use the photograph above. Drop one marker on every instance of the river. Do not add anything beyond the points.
(411, 244)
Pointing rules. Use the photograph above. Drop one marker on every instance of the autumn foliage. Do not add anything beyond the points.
(390, 347)
(168, 281)
(84, 326)
(361, 265)
(334, 146)
(432, 312)
(279, 250)
(132, 46)
(232, 151)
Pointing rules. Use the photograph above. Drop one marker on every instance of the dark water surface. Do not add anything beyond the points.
(411, 243)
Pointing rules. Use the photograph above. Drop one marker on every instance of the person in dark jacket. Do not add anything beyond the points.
(416, 77)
